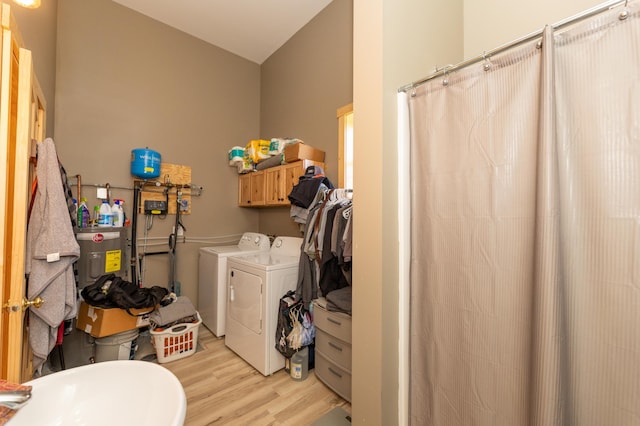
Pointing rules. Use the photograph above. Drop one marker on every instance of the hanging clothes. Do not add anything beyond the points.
(51, 251)
(320, 270)
(331, 276)
(309, 190)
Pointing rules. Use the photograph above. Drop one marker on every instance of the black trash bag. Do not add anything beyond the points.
(292, 314)
(110, 291)
(285, 325)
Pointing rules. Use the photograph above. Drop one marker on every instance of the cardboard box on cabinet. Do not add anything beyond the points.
(99, 322)
(300, 151)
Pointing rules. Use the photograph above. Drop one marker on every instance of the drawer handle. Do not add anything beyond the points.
(334, 372)
(334, 346)
(334, 321)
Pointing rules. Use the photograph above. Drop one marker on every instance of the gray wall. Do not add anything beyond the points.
(303, 84)
(38, 29)
(125, 81)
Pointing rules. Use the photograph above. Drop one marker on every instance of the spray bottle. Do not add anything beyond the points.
(96, 215)
(118, 213)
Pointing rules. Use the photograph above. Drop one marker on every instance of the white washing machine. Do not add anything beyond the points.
(212, 278)
(255, 285)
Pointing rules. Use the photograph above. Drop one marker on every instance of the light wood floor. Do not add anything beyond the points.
(223, 389)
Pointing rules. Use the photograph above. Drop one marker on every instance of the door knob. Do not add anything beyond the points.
(37, 302)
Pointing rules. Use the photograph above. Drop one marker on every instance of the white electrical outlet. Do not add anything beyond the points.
(180, 231)
(101, 193)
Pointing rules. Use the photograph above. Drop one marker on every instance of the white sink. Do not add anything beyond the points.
(109, 393)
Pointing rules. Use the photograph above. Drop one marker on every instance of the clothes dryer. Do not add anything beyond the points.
(256, 283)
(212, 278)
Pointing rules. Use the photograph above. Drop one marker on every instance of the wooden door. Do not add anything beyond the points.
(22, 123)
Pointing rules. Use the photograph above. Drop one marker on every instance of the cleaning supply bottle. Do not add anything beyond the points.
(106, 216)
(79, 215)
(96, 215)
(300, 364)
(118, 213)
(83, 214)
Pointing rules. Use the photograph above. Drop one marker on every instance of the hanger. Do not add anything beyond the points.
(346, 213)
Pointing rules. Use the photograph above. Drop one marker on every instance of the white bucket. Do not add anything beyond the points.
(116, 347)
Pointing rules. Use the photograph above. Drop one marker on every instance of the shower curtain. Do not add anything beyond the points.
(525, 234)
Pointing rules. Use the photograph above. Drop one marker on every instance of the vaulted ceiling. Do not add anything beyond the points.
(252, 29)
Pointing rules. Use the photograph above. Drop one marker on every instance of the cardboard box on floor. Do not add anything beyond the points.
(100, 322)
(300, 151)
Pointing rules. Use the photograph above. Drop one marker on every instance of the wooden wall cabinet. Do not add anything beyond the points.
(274, 186)
(251, 190)
(271, 187)
(244, 190)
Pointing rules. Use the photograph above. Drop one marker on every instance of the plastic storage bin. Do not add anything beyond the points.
(176, 342)
(116, 347)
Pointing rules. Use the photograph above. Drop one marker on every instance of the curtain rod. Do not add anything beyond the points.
(532, 36)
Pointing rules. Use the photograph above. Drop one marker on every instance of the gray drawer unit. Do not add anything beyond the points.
(337, 324)
(333, 349)
(333, 376)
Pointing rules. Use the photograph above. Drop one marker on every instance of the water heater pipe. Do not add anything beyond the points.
(79, 186)
(134, 235)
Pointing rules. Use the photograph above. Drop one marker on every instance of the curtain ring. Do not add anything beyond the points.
(625, 13)
(487, 64)
(445, 81)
